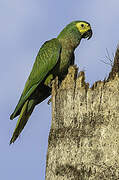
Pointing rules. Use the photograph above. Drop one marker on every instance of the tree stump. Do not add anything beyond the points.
(84, 137)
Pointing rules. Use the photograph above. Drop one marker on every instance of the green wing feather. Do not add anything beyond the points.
(46, 59)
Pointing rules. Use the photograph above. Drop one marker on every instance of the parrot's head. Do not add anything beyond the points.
(74, 32)
(84, 29)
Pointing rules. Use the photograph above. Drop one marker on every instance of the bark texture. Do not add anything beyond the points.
(84, 135)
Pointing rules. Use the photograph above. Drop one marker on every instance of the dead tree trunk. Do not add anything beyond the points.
(84, 135)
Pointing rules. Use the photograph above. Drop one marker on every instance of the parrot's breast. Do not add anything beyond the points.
(65, 61)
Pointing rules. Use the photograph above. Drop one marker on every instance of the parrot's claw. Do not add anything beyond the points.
(49, 101)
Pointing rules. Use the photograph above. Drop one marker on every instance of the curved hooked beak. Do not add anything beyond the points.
(88, 34)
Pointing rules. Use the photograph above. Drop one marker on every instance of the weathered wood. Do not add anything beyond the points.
(84, 135)
(115, 68)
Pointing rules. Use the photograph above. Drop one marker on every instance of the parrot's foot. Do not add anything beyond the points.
(49, 101)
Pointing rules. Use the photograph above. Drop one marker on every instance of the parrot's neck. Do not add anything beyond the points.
(69, 38)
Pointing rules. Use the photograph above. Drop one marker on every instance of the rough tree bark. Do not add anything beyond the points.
(84, 135)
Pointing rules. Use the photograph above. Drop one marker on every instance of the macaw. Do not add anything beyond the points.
(53, 59)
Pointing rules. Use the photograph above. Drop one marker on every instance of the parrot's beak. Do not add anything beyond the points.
(88, 34)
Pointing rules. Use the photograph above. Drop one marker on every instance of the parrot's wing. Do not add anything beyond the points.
(46, 59)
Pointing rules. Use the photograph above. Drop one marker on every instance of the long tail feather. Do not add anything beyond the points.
(26, 111)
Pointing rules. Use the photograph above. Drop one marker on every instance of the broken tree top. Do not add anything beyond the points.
(84, 136)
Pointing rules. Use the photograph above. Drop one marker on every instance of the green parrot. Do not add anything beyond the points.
(53, 59)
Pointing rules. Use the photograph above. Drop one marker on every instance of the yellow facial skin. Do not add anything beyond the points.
(83, 27)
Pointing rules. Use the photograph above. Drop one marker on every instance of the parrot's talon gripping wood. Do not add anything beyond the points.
(49, 101)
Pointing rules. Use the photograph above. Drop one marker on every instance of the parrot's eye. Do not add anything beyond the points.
(82, 25)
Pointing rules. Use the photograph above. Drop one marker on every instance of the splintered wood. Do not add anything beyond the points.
(84, 135)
